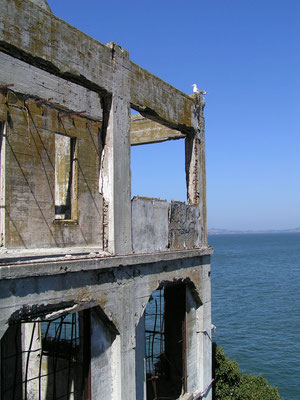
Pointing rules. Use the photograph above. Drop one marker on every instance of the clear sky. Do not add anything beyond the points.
(246, 55)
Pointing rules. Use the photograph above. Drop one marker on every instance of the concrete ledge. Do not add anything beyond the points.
(30, 268)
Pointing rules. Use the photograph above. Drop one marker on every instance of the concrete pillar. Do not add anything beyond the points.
(2, 182)
(115, 177)
(194, 366)
(140, 364)
(105, 361)
(195, 165)
(205, 333)
(31, 354)
(207, 350)
(128, 345)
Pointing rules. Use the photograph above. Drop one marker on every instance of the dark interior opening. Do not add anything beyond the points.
(47, 359)
(165, 343)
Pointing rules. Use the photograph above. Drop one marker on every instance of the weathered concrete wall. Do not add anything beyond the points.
(30, 176)
(149, 225)
(160, 226)
(184, 226)
(42, 3)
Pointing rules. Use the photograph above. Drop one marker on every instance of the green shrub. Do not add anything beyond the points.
(256, 388)
(231, 384)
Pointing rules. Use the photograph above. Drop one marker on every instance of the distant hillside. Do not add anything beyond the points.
(216, 231)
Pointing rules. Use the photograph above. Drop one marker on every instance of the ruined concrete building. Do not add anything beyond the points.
(102, 296)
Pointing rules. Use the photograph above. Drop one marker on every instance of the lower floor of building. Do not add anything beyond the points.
(139, 331)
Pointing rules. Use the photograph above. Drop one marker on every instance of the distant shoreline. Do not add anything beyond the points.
(214, 231)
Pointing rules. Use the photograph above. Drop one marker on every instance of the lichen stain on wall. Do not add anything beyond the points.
(30, 183)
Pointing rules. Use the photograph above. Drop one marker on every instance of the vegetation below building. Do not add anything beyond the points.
(231, 384)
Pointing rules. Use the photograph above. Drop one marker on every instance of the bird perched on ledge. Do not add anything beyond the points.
(196, 90)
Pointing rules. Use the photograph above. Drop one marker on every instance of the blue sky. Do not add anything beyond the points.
(246, 55)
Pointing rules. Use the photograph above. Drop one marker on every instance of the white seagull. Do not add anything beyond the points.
(213, 328)
(196, 90)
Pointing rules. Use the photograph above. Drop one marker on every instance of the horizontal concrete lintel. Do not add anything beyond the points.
(25, 269)
(159, 101)
(32, 34)
(35, 82)
(145, 131)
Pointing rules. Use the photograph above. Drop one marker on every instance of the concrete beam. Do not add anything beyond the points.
(34, 35)
(144, 131)
(160, 101)
(35, 82)
(42, 3)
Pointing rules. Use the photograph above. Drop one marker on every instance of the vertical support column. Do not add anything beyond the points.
(140, 365)
(195, 165)
(31, 355)
(105, 360)
(194, 364)
(2, 182)
(204, 331)
(115, 179)
(127, 309)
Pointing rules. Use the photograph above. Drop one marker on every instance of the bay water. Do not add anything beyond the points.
(256, 305)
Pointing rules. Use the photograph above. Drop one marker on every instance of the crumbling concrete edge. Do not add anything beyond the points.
(57, 267)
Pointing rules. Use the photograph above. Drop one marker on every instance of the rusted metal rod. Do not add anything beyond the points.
(94, 123)
(39, 101)
(70, 114)
(201, 394)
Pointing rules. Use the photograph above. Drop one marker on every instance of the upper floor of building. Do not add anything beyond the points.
(66, 135)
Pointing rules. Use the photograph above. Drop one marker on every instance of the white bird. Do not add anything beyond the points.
(213, 328)
(196, 90)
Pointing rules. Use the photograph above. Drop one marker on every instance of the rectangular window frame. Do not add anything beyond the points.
(67, 188)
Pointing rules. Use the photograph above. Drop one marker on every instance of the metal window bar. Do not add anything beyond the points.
(154, 330)
(60, 339)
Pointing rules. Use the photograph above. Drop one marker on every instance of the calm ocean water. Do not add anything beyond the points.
(256, 305)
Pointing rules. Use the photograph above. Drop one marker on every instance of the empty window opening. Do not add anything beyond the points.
(65, 177)
(157, 163)
(47, 360)
(165, 343)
